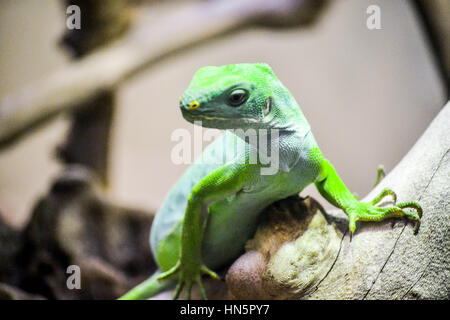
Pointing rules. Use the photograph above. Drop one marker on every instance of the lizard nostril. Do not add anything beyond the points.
(194, 105)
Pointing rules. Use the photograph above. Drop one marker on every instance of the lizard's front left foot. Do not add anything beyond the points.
(368, 211)
(187, 276)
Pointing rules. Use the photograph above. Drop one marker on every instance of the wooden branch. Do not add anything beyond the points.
(384, 260)
(144, 45)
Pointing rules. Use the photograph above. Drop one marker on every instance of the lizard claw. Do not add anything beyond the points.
(380, 175)
(385, 192)
(205, 270)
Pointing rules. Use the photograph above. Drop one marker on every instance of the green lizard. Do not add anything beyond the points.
(213, 209)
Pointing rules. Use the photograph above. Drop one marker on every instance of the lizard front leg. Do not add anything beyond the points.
(334, 190)
(225, 181)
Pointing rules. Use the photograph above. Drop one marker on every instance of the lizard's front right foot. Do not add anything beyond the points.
(368, 211)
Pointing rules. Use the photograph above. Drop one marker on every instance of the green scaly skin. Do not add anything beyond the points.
(213, 210)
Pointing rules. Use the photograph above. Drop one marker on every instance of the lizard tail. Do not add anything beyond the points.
(149, 288)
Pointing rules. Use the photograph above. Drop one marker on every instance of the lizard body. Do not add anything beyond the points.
(214, 208)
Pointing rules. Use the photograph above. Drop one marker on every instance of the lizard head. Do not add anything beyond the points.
(234, 96)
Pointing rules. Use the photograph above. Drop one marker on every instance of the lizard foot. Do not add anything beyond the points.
(367, 211)
(187, 276)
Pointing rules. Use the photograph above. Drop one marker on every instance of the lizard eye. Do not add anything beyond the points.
(237, 97)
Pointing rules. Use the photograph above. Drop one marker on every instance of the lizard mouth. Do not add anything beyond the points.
(192, 117)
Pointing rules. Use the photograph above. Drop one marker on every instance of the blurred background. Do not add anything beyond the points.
(368, 94)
